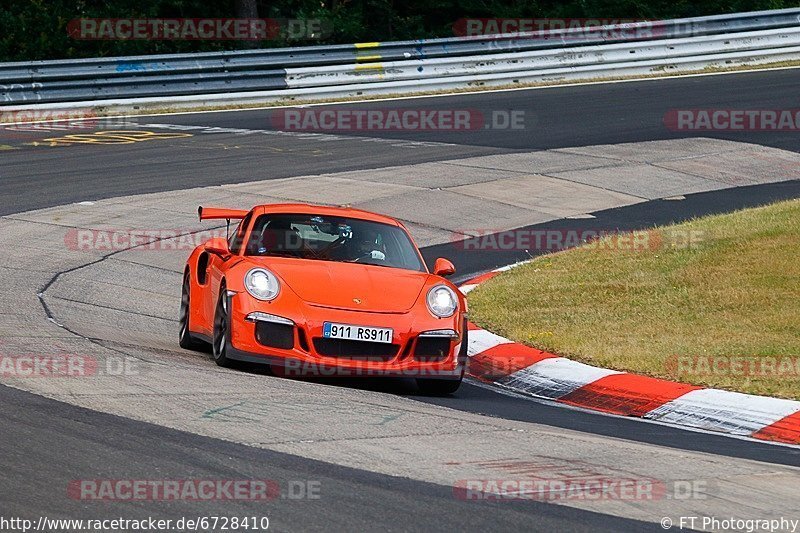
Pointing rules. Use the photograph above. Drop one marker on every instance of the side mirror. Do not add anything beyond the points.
(443, 267)
(217, 246)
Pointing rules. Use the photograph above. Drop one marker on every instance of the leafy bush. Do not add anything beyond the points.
(37, 29)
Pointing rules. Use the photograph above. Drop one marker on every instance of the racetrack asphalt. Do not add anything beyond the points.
(563, 117)
(581, 115)
(49, 444)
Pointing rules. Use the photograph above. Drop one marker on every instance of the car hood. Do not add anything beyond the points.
(366, 288)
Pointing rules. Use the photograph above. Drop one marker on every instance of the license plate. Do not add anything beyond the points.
(332, 330)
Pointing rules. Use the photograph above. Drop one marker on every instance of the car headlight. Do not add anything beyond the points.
(262, 284)
(442, 301)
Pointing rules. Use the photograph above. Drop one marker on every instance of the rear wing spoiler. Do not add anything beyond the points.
(214, 213)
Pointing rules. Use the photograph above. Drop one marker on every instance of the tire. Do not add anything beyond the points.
(222, 330)
(185, 338)
(444, 387)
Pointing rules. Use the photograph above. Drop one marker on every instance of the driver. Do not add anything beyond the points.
(369, 246)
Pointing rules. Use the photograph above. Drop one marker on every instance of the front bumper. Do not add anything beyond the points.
(409, 356)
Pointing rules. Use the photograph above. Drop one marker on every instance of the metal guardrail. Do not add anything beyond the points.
(326, 71)
(606, 56)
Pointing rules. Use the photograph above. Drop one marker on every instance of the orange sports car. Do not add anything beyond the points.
(324, 291)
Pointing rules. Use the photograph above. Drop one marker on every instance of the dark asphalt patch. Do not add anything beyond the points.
(578, 115)
(49, 444)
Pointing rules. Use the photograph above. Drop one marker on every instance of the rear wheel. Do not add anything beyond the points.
(443, 387)
(185, 338)
(221, 329)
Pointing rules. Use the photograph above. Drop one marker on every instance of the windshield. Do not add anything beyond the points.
(342, 239)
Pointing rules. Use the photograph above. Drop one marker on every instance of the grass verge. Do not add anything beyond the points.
(714, 302)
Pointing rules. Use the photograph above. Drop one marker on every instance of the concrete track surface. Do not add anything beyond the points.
(384, 458)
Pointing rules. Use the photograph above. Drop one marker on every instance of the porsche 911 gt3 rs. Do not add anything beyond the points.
(324, 291)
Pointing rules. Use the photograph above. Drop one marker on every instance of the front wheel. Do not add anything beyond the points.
(221, 329)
